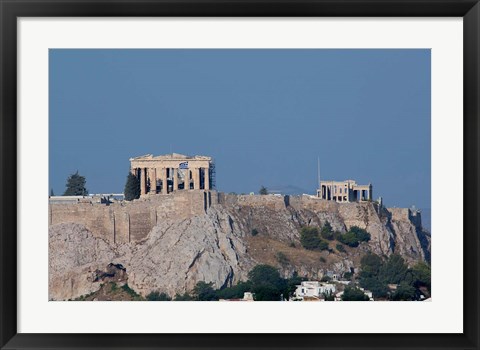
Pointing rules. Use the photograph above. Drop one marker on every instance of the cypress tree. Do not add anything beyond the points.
(132, 188)
(76, 185)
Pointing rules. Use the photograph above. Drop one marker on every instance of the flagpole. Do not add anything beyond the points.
(318, 172)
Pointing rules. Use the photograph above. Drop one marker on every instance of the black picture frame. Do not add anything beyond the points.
(11, 10)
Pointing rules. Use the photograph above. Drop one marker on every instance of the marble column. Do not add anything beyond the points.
(175, 179)
(164, 181)
(196, 178)
(153, 181)
(143, 183)
(206, 178)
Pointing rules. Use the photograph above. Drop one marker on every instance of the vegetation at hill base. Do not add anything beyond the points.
(76, 185)
(354, 294)
(378, 273)
(111, 291)
(132, 188)
(387, 278)
(263, 280)
(263, 190)
(158, 296)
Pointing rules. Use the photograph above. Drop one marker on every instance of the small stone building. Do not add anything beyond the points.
(172, 172)
(344, 191)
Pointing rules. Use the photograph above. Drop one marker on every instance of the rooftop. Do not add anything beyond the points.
(172, 156)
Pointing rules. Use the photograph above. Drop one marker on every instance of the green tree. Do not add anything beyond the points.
(266, 292)
(309, 238)
(404, 292)
(340, 248)
(263, 190)
(422, 275)
(292, 284)
(234, 292)
(157, 296)
(394, 270)
(267, 283)
(361, 234)
(183, 297)
(132, 188)
(371, 265)
(354, 294)
(378, 288)
(262, 274)
(204, 292)
(76, 185)
(349, 239)
(322, 245)
(327, 231)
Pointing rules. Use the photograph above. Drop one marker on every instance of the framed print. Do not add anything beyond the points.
(185, 175)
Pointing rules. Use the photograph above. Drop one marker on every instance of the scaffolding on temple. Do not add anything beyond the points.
(212, 175)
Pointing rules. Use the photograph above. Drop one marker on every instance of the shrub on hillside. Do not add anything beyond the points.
(349, 239)
(157, 296)
(361, 234)
(309, 238)
(323, 245)
(282, 258)
(327, 231)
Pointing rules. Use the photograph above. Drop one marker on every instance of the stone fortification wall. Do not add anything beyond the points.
(281, 217)
(406, 214)
(236, 200)
(131, 221)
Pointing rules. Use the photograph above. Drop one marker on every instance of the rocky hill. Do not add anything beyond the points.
(217, 245)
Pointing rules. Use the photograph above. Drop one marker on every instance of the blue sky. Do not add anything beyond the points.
(265, 116)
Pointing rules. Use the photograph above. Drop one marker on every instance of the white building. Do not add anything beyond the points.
(313, 289)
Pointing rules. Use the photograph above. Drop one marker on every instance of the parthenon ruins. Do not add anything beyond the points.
(344, 191)
(172, 172)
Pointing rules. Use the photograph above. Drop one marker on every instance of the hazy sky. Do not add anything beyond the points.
(265, 116)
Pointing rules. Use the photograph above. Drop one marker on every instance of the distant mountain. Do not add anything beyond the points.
(289, 189)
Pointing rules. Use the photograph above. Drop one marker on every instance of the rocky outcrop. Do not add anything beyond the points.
(178, 254)
(74, 257)
(392, 230)
(211, 246)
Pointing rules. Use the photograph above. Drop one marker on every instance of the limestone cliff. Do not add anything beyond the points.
(216, 245)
